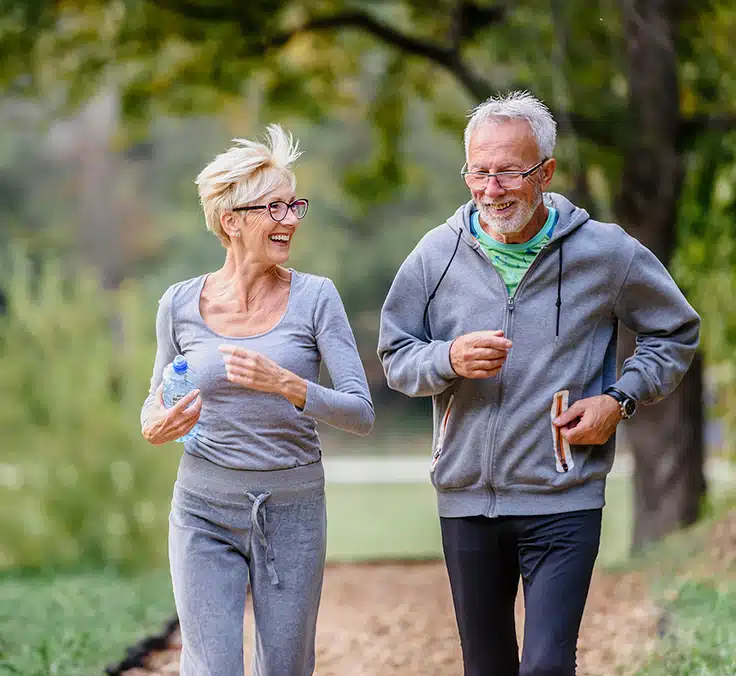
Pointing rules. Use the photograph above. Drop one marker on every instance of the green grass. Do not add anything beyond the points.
(392, 521)
(76, 624)
(695, 586)
(389, 521)
(701, 635)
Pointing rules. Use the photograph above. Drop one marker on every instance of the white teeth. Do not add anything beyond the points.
(279, 238)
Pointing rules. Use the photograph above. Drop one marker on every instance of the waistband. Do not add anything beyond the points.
(478, 500)
(283, 485)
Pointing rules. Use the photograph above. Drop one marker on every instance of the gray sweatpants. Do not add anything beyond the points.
(229, 528)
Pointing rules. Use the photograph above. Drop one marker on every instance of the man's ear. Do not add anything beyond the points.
(548, 170)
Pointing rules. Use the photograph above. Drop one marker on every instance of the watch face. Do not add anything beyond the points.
(629, 406)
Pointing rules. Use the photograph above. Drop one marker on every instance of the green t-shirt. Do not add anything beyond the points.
(513, 260)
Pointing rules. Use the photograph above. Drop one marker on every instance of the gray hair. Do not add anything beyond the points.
(519, 105)
(244, 173)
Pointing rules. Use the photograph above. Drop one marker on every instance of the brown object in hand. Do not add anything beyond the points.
(563, 456)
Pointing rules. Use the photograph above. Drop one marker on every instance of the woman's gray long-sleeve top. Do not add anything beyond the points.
(242, 428)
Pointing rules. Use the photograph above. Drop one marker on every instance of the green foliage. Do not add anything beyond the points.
(700, 637)
(79, 482)
(690, 576)
(705, 265)
(75, 625)
(371, 81)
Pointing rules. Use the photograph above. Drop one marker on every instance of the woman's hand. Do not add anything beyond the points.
(167, 424)
(257, 372)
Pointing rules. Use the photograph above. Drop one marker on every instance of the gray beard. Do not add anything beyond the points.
(509, 226)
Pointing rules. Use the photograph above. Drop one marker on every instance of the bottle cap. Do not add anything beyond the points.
(180, 364)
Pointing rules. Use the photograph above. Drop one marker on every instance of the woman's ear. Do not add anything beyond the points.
(229, 224)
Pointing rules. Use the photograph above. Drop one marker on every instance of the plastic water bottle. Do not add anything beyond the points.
(179, 380)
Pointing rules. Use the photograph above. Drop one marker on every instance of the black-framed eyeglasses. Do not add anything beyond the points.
(508, 180)
(278, 209)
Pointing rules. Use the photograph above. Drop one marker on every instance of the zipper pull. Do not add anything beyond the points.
(510, 304)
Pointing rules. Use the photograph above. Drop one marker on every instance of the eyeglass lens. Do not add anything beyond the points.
(506, 181)
(278, 209)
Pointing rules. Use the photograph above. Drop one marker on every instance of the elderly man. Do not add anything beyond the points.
(503, 315)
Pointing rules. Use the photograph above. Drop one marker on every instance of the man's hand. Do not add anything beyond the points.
(480, 354)
(590, 421)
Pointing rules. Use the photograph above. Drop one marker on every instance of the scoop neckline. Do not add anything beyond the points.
(198, 299)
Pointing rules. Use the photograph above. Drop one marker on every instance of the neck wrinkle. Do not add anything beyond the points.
(246, 281)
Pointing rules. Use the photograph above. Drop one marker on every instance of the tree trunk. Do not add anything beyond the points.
(666, 439)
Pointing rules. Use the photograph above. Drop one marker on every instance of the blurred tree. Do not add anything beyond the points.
(611, 70)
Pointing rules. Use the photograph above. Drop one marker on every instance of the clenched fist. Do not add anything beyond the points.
(480, 354)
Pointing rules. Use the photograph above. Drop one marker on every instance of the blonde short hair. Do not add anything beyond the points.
(245, 173)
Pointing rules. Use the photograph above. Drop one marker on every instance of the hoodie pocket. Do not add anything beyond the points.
(441, 434)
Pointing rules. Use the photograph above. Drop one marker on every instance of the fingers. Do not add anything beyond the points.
(195, 409)
(492, 339)
(240, 368)
(236, 352)
(586, 423)
(486, 334)
(489, 367)
(160, 395)
(480, 354)
(187, 428)
(251, 369)
(180, 422)
(169, 424)
(188, 418)
(239, 359)
(566, 417)
(184, 402)
(577, 433)
(239, 376)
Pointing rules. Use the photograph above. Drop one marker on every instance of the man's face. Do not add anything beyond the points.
(507, 146)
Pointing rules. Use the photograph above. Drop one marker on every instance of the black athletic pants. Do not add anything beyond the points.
(554, 554)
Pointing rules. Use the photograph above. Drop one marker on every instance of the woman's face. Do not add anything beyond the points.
(264, 239)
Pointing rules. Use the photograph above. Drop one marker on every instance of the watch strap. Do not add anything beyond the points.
(623, 399)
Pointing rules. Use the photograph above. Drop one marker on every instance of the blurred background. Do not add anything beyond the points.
(109, 109)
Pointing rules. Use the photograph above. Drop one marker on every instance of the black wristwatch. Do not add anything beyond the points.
(626, 404)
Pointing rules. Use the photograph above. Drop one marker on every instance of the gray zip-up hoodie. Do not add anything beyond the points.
(493, 449)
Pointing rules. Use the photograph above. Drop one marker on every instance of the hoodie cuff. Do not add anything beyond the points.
(635, 386)
(442, 360)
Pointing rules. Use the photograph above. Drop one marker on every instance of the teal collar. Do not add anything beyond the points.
(486, 240)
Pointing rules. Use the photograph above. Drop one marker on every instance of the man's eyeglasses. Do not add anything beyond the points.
(508, 180)
(278, 210)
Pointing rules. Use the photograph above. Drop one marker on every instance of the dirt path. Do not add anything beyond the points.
(397, 620)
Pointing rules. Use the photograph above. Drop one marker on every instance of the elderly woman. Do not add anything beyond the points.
(249, 502)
